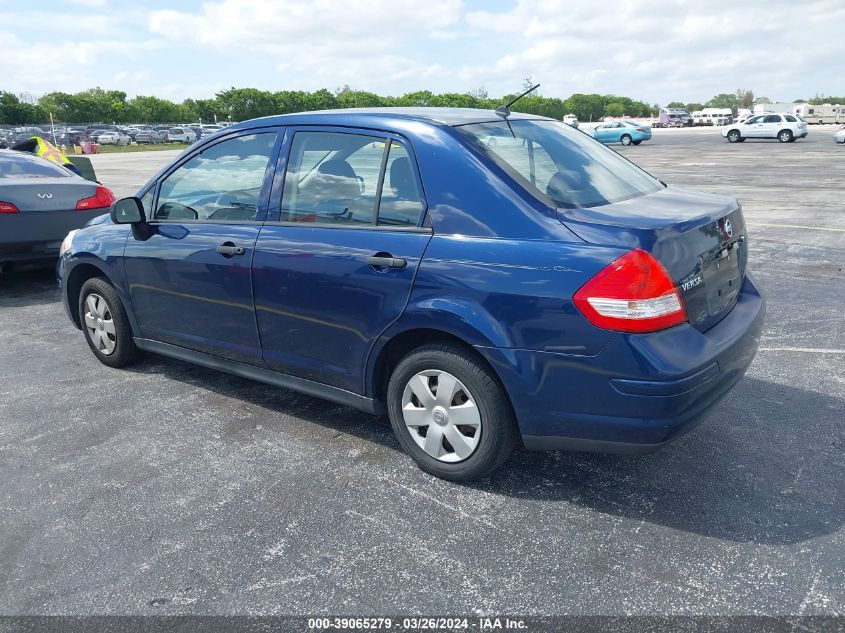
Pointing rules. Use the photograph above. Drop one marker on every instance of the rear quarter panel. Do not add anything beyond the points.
(507, 293)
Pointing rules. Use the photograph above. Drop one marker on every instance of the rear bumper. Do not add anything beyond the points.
(639, 392)
(35, 236)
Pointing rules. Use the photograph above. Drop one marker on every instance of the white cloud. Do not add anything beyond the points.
(684, 49)
(326, 43)
(90, 4)
(656, 52)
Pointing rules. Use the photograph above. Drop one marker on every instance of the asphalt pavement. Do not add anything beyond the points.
(166, 488)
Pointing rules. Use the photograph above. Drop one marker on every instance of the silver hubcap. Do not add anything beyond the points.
(441, 415)
(99, 323)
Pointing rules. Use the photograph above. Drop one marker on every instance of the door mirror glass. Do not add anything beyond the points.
(127, 211)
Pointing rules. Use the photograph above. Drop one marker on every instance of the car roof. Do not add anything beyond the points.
(440, 116)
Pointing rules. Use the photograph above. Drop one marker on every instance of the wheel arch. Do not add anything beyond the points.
(393, 348)
(81, 271)
(79, 274)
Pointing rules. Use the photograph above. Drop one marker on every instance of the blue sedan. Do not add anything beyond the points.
(625, 132)
(484, 278)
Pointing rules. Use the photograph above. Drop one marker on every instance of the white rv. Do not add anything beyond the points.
(773, 108)
(712, 116)
(827, 113)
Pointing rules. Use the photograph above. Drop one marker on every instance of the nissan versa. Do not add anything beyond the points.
(482, 277)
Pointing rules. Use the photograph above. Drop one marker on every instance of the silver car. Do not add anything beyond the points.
(40, 202)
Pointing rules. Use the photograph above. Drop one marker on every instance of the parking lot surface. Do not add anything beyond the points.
(167, 488)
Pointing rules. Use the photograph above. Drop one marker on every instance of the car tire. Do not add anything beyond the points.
(105, 324)
(734, 136)
(488, 432)
(626, 139)
(636, 142)
(785, 136)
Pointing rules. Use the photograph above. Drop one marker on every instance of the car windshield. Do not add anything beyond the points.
(558, 164)
(19, 165)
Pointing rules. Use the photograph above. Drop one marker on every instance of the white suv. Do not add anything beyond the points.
(181, 135)
(784, 127)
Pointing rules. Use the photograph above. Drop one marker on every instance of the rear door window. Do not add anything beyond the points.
(333, 178)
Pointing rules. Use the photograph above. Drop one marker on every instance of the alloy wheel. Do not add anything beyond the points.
(441, 416)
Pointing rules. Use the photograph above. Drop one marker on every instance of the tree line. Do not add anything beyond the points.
(745, 99)
(238, 104)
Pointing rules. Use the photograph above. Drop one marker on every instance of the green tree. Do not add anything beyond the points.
(589, 107)
(745, 98)
(723, 100)
(676, 104)
(614, 109)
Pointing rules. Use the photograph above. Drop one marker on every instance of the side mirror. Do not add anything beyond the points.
(127, 211)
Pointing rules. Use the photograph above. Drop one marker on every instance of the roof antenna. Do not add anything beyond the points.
(504, 110)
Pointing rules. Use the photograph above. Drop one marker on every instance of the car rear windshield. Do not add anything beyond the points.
(558, 164)
(18, 165)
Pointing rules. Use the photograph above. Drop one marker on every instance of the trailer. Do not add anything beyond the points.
(827, 113)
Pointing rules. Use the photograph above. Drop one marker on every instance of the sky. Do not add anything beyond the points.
(653, 50)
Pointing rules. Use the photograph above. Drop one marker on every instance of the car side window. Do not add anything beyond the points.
(333, 178)
(221, 183)
(773, 118)
(791, 118)
(401, 202)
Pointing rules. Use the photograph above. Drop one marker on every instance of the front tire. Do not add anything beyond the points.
(734, 136)
(626, 139)
(785, 136)
(105, 324)
(450, 413)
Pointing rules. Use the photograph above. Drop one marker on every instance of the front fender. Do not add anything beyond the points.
(95, 250)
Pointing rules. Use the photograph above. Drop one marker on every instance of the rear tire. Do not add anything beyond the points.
(785, 136)
(105, 324)
(734, 136)
(474, 424)
(626, 139)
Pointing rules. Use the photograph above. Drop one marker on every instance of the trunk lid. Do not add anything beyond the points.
(46, 194)
(698, 237)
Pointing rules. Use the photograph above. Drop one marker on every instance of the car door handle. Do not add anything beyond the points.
(386, 261)
(227, 249)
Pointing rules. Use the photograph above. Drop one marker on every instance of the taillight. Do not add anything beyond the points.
(7, 207)
(100, 200)
(632, 294)
(641, 129)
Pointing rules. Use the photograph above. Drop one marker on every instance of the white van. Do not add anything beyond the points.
(716, 116)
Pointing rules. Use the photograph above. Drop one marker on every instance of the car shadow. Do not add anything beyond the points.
(28, 287)
(765, 467)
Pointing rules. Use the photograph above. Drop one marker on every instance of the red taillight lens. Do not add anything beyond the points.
(640, 129)
(632, 294)
(7, 207)
(100, 200)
